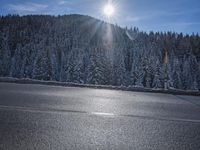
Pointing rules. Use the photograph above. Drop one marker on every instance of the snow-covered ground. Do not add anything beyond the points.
(130, 88)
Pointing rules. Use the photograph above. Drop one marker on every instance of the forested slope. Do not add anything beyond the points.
(81, 49)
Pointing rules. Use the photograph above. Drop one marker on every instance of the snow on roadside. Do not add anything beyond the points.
(130, 88)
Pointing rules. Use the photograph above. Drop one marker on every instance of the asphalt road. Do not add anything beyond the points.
(39, 117)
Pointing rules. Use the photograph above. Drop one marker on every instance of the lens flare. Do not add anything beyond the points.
(109, 10)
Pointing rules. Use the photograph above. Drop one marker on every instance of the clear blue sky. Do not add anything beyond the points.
(157, 15)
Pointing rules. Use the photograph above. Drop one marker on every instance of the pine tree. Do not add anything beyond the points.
(42, 69)
(139, 75)
(176, 74)
(156, 81)
(119, 71)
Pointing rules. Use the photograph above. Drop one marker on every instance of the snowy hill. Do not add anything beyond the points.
(82, 49)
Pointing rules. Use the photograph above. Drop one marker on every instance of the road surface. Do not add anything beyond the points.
(40, 117)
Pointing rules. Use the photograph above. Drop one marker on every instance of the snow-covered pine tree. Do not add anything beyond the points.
(42, 68)
(5, 56)
(176, 73)
(119, 71)
(156, 80)
(139, 73)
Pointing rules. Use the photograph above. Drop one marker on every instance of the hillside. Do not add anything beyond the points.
(82, 49)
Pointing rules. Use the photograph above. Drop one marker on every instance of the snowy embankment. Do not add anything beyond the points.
(137, 89)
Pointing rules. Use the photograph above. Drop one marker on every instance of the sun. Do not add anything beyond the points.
(109, 10)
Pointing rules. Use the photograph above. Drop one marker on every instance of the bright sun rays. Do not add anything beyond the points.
(109, 10)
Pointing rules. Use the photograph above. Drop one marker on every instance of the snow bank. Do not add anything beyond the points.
(130, 88)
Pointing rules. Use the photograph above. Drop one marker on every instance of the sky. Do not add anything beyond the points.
(147, 15)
